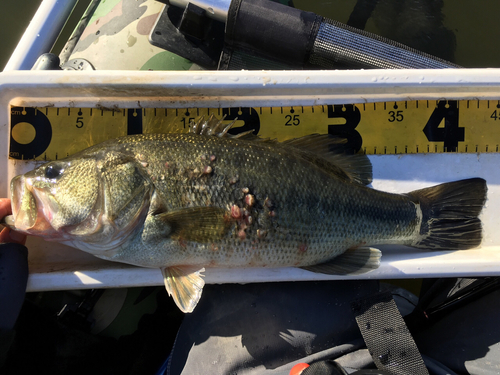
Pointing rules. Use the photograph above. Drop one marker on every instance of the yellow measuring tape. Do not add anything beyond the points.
(423, 126)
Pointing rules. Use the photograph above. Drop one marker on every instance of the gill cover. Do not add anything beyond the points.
(93, 197)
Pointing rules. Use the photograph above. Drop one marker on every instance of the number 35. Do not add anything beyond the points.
(395, 116)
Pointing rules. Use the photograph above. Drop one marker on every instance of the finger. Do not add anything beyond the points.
(8, 235)
(5, 208)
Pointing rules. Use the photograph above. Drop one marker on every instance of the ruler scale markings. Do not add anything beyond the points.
(404, 134)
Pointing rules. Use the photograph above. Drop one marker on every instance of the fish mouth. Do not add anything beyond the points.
(29, 212)
(23, 204)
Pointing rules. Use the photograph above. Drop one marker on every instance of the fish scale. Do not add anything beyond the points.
(308, 205)
(183, 202)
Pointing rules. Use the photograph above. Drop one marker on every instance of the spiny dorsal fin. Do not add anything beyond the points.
(332, 153)
(215, 127)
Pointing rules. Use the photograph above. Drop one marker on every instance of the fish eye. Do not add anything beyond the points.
(54, 171)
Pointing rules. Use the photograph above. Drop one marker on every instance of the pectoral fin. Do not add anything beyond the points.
(185, 285)
(199, 224)
(353, 262)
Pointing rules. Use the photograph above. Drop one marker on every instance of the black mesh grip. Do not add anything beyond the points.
(338, 45)
(387, 337)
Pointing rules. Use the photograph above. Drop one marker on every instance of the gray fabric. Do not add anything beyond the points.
(258, 328)
(265, 329)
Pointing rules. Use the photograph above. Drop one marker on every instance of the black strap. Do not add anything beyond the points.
(387, 337)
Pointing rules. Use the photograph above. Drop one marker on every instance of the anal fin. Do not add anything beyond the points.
(185, 285)
(353, 262)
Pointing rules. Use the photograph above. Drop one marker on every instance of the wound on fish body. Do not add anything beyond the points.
(183, 202)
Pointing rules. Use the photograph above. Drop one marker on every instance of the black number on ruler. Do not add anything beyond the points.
(396, 116)
(249, 116)
(495, 115)
(134, 121)
(451, 133)
(187, 122)
(292, 120)
(43, 133)
(348, 130)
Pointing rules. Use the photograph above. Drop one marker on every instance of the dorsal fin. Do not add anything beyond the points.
(214, 126)
(332, 153)
(328, 152)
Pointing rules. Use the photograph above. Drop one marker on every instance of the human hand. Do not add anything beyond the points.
(8, 235)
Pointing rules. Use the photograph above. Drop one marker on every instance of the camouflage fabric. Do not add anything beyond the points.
(117, 38)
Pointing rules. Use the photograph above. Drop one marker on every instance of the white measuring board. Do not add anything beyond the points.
(54, 266)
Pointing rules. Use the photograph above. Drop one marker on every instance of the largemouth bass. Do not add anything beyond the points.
(183, 202)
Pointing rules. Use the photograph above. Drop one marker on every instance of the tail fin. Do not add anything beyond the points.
(450, 214)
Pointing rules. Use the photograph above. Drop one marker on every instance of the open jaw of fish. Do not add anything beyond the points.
(183, 202)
